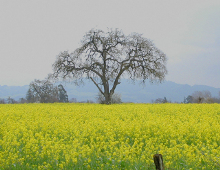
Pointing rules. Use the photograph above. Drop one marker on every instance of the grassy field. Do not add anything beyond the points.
(123, 136)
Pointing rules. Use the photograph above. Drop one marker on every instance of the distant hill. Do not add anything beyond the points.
(15, 92)
(129, 92)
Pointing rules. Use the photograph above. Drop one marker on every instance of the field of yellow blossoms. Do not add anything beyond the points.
(122, 136)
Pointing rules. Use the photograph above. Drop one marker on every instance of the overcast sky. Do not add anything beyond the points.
(33, 33)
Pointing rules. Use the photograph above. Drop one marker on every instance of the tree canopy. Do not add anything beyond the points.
(44, 91)
(104, 57)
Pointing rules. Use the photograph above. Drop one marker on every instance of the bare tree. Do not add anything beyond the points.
(161, 100)
(22, 100)
(73, 100)
(2, 101)
(202, 97)
(11, 100)
(42, 91)
(104, 57)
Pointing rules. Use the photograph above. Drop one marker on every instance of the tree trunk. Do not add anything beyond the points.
(107, 94)
(107, 98)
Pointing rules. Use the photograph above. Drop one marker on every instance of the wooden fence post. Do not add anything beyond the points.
(158, 161)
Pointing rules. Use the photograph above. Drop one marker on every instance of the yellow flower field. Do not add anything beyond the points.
(123, 136)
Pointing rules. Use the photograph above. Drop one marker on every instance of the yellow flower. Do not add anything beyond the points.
(63, 135)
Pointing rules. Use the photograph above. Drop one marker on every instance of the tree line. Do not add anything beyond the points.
(201, 97)
(41, 91)
(46, 92)
(196, 97)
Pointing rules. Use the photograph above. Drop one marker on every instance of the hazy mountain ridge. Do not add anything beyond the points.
(15, 92)
(129, 92)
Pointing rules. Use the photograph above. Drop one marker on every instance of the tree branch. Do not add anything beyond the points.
(97, 85)
(117, 78)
